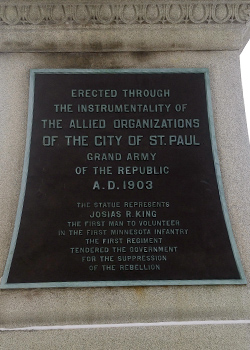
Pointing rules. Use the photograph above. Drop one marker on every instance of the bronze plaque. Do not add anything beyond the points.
(121, 183)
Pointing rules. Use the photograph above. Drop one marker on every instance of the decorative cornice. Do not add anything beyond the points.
(110, 13)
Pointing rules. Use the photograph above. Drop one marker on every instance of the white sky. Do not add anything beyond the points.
(245, 74)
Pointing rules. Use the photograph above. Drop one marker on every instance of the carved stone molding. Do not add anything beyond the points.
(92, 14)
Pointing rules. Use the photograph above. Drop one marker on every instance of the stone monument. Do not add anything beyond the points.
(125, 171)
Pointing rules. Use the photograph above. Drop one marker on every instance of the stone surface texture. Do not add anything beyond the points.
(204, 337)
(58, 34)
(142, 304)
(133, 25)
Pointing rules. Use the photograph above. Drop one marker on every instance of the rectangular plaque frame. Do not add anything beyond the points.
(7, 285)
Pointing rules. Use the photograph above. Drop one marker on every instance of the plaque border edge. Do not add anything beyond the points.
(241, 281)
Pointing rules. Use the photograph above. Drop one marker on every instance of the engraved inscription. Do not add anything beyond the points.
(121, 185)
